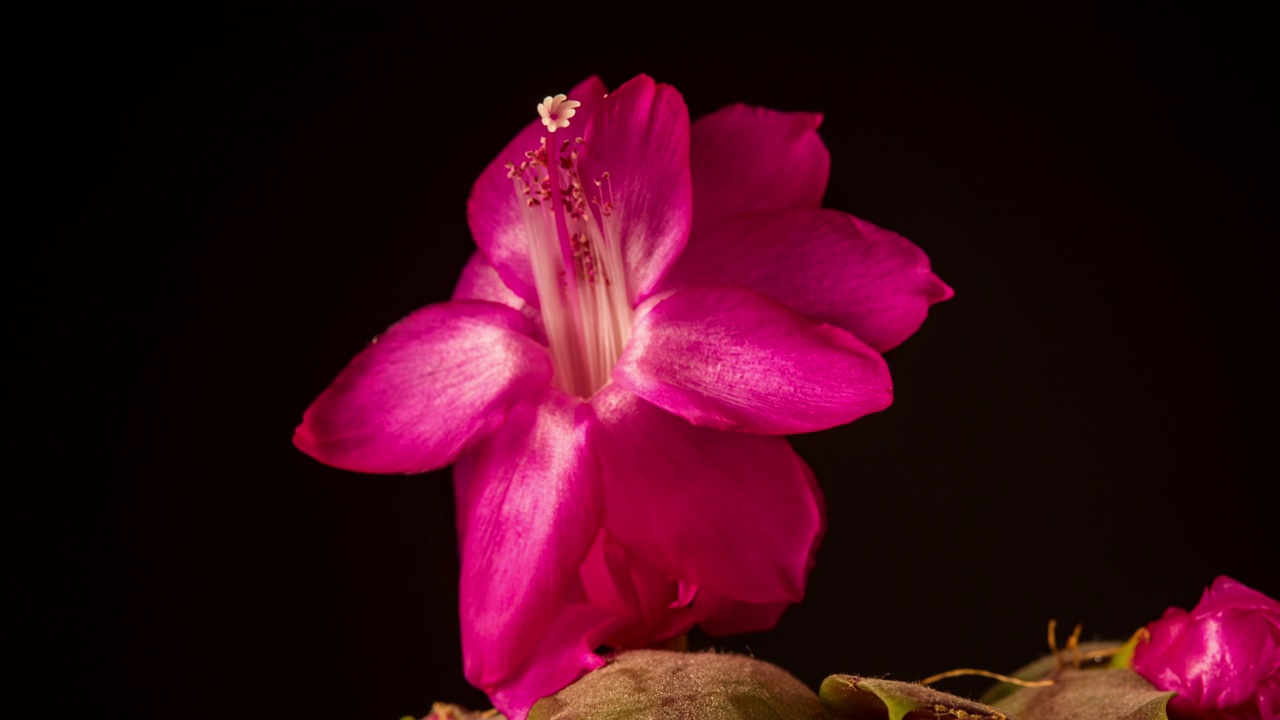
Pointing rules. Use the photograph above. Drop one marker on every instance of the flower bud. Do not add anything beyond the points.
(666, 685)
(1222, 659)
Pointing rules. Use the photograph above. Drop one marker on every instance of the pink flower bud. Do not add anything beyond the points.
(1222, 658)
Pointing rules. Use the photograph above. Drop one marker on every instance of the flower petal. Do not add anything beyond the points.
(733, 359)
(1218, 661)
(824, 264)
(618, 580)
(1226, 593)
(1222, 658)
(1221, 661)
(749, 159)
(732, 513)
(493, 210)
(719, 615)
(480, 281)
(640, 137)
(529, 504)
(419, 394)
(565, 653)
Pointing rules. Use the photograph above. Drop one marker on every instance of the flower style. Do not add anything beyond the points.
(613, 373)
(1222, 658)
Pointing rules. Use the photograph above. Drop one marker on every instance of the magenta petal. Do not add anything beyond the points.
(732, 513)
(480, 281)
(733, 359)
(564, 654)
(1229, 594)
(824, 264)
(529, 504)
(1222, 658)
(493, 209)
(1217, 662)
(640, 137)
(719, 615)
(615, 579)
(426, 388)
(749, 159)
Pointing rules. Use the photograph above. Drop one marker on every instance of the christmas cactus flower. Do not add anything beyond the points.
(652, 305)
(1222, 659)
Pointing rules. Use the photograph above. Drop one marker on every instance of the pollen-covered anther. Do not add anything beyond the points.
(556, 111)
(605, 185)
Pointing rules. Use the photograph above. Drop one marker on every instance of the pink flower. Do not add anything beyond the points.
(614, 372)
(1222, 658)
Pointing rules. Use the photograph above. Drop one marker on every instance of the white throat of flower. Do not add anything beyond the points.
(576, 251)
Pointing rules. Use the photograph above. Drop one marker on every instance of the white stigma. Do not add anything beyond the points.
(556, 111)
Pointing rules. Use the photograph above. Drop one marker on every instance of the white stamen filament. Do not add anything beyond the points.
(576, 254)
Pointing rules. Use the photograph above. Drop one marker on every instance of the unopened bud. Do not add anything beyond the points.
(666, 685)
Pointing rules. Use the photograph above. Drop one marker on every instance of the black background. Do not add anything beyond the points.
(211, 209)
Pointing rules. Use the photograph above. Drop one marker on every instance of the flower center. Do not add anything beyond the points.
(575, 249)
